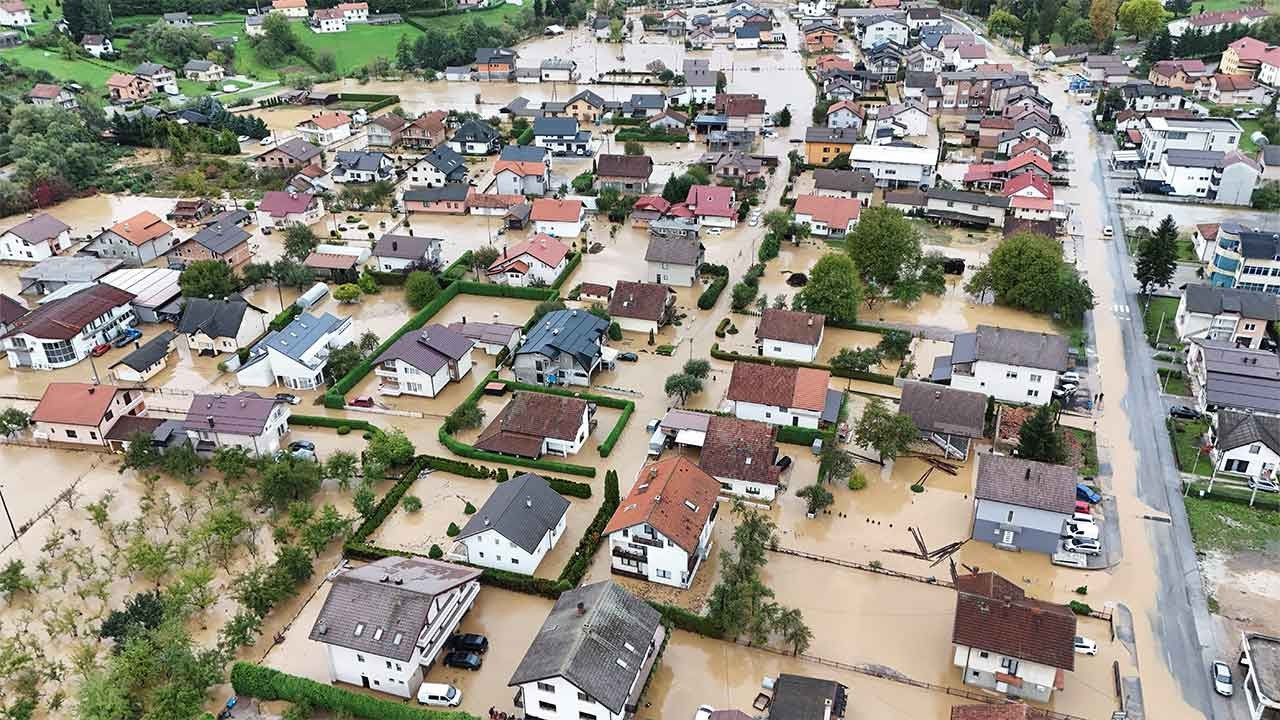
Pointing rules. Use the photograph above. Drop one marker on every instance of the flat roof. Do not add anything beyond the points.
(893, 154)
(152, 287)
(1264, 665)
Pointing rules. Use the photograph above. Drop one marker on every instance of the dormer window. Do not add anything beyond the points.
(359, 629)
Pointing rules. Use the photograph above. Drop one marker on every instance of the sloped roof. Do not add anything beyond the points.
(533, 415)
(779, 385)
(149, 353)
(64, 318)
(141, 228)
(243, 414)
(576, 332)
(674, 250)
(41, 228)
(1240, 429)
(1214, 300)
(405, 247)
(427, 350)
(1011, 347)
(640, 300)
(74, 403)
(220, 239)
(328, 120)
(740, 449)
(1028, 483)
(522, 510)
(215, 318)
(1019, 627)
(804, 328)
(554, 210)
(836, 212)
(10, 309)
(674, 496)
(542, 247)
(939, 408)
(631, 166)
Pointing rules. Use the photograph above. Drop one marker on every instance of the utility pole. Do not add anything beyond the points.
(5, 505)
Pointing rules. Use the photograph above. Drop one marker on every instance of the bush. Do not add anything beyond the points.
(435, 553)
(769, 248)
(411, 503)
(799, 435)
(857, 481)
(606, 447)
(1080, 608)
(469, 509)
(569, 487)
(576, 568)
(457, 467)
(453, 530)
(265, 683)
(285, 317)
(344, 429)
(1082, 590)
(682, 619)
(722, 327)
(707, 299)
(420, 288)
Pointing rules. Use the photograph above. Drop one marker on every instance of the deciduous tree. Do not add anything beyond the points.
(1039, 438)
(208, 279)
(833, 289)
(887, 432)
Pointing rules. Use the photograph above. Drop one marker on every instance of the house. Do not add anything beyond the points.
(661, 531)
(137, 240)
(920, 18)
(126, 88)
(565, 348)
(949, 420)
(326, 128)
(517, 526)
(885, 61)
(713, 205)
(328, 20)
(1246, 444)
(965, 208)
(827, 216)
(157, 296)
(560, 136)
(1022, 504)
(35, 239)
(1161, 134)
(877, 29)
(203, 71)
(1145, 97)
(83, 413)
(699, 39)
(796, 697)
(789, 334)
(54, 273)
(492, 337)
(361, 166)
(97, 45)
(558, 218)
(405, 253)
(313, 180)
(778, 395)
(280, 209)
(1008, 643)
(292, 153)
(449, 199)
(495, 63)
(641, 307)
(895, 165)
(1010, 365)
(523, 170)
(1107, 69)
(159, 77)
(742, 112)
(669, 120)
(554, 69)
(1239, 256)
(355, 12)
(648, 209)
(730, 140)
(145, 361)
(426, 131)
(440, 167)
(819, 36)
(908, 119)
(294, 356)
(846, 114)
(1184, 73)
(50, 95)
(224, 243)
(385, 130)
(290, 8)
(1227, 178)
(822, 145)
(213, 327)
(741, 455)
(625, 173)
(475, 137)
(1252, 57)
(388, 644)
(734, 168)
(1237, 90)
(423, 363)
(592, 656)
(584, 107)
(1212, 22)
(189, 212)
(1239, 317)
(10, 311)
(856, 184)
(1030, 197)
(337, 263)
(1226, 377)
(254, 25)
(533, 424)
(61, 332)
(674, 260)
(1257, 657)
(536, 261)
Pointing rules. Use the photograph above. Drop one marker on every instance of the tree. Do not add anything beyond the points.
(1047, 18)
(894, 344)
(1266, 197)
(818, 496)
(392, 448)
(834, 463)
(682, 386)
(782, 118)
(833, 289)
(887, 432)
(342, 361)
(1157, 257)
(1102, 18)
(1159, 47)
(340, 467)
(14, 580)
(1026, 271)
(795, 633)
(633, 148)
(420, 288)
(1004, 23)
(299, 242)
(13, 421)
(208, 279)
(365, 500)
(87, 17)
(677, 187)
(1141, 18)
(287, 479)
(1079, 31)
(697, 368)
(347, 293)
(141, 612)
(483, 256)
(885, 246)
(232, 461)
(466, 415)
(851, 360)
(1039, 437)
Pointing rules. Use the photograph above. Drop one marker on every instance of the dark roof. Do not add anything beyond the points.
(566, 331)
(523, 153)
(215, 318)
(221, 238)
(1240, 377)
(797, 697)
(674, 250)
(1011, 347)
(41, 228)
(230, 217)
(454, 191)
(487, 56)
(1239, 429)
(791, 326)
(633, 166)
(854, 181)
(595, 637)
(528, 419)
(149, 353)
(428, 350)
(243, 414)
(1247, 303)
(475, 131)
(388, 600)
(1193, 158)
(836, 135)
(939, 408)
(64, 318)
(740, 449)
(1028, 483)
(555, 126)
(522, 510)
(405, 247)
(966, 196)
(1009, 623)
(641, 300)
(297, 148)
(10, 309)
(359, 160)
(445, 159)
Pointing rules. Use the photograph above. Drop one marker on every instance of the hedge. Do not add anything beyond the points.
(574, 260)
(285, 317)
(707, 299)
(682, 619)
(878, 329)
(469, 287)
(387, 279)
(458, 268)
(606, 447)
(569, 487)
(265, 683)
(627, 133)
(526, 584)
(457, 467)
(460, 448)
(333, 422)
(389, 501)
(719, 354)
(626, 406)
(578, 564)
(377, 101)
(800, 436)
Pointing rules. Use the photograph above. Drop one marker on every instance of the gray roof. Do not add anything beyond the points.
(445, 159)
(475, 131)
(555, 126)
(701, 78)
(942, 409)
(796, 697)
(648, 101)
(428, 350)
(149, 353)
(230, 217)
(41, 228)
(590, 96)
(1011, 347)
(1193, 158)
(966, 196)
(674, 250)
(68, 268)
(1270, 155)
(485, 332)
(523, 153)
(359, 160)
(197, 66)
(298, 149)
(455, 191)
(1255, 243)
(522, 510)
(215, 318)
(405, 247)
(1239, 429)
(243, 414)
(558, 64)
(599, 648)
(1217, 300)
(220, 239)
(148, 69)
(823, 134)
(854, 181)
(305, 331)
(388, 601)
(1240, 377)
(1028, 483)
(486, 56)
(576, 332)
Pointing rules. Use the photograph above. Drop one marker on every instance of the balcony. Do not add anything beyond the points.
(651, 542)
(631, 553)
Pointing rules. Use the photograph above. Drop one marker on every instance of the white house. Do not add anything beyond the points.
(97, 45)
(83, 413)
(361, 166)
(895, 165)
(1161, 134)
(845, 114)
(67, 325)
(491, 337)
(404, 253)
(295, 356)
(907, 119)
(15, 13)
(326, 128)
(290, 8)
(1010, 365)
(661, 531)
(355, 12)
(282, 208)
(1021, 505)
(789, 334)
(778, 395)
(517, 526)
(1231, 315)
(137, 240)
(713, 205)
(541, 258)
(641, 307)
(700, 84)
(223, 325)
(742, 456)
(591, 657)
(438, 168)
(558, 218)
(1246, 445)
(561, 136)
(523, 170)
(827, 216)
(34, 240)
(883, 28)
(147, 360)
(534, 424)
(328, 20)
(247, 421)
(389, 644)
(423, 363)
(674, 260)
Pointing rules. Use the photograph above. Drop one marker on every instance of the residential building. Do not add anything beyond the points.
(741, 455)
(797, 697)
(156, 294)
(822, 145)
(564, 348)
(290, 8)
(216, 326)
(423, 362)
(147, 360)
(385, 130)
(713, 205)
(253, 25)
(137, 240)
(448, 199)
(50, 95)
(561, 136)
(949, 420)
(669, 120)
(846, 114)
(1261, 682)
(10, 311)
(475, 137)
(820, 36)
(326, 128)
(591, 658)
(294, 356)
(585, 107)
(1211, 22)
(625, 173)
(1020, 504)
(1226, 377)
(203, 71)
(1161, 134)
(1011, 365)
(97, 45)
(878, 29)
(1251, 57)
(426, 131)
(661, 531)
(388, 644)
(827, 216)
(328, 20)
(521, 522)
(405, 253)
(1237, 90)
(533, 424)
(962, 207)
(1245, 444)
(193, 211)
(280, 209)
(1228, 178)
(856, 184)
(361, 166)
(63, 331)
(641, 307)
(523, 170)
(789, 334)
(127, 88)
(355, 12)
(225, 243)
(442, 166)
(556, 69)
(159, 77)
(558, 218)
(1243, 257)
(540, 259)
(1009, 643)
(742, 111)
(35, 239)
(54, 273)
(292, 153)
(83, 413)
(700, 84)
(1240, 317)
(674, 260)
(491, 337)
(734, 167)
(779, 395)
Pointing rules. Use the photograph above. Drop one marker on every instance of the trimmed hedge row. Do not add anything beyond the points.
(569, 487)
(266, 683)
(378, 101)
(576, 568)
(682, 619)
(458, 268)
(606, 447)
(707, 299)
(470, 287)
(388, 279)
(626, 406)
(334, 423)
(627, 133)
(460, 448)
(878, 329)
(389, 502)
(457, 467)
(801, 436)
(719, 354)
(574, 261)
(286, 316)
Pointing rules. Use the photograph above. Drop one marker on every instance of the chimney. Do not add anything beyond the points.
(528, 501)
(937, 394)
(210, 420)
(582, 609)
(810, 323)
(91, 389)
(395, 245)
(486, 521)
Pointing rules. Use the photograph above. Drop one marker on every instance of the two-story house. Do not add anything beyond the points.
(326, 128)
(215, 326)
(523, 170)
(1020, 504)
(159, 77)
(533, 424)
(137, 240)
(779, 395)
(561, 136)
(438, 168)
(641, 307)
(423, 363)
(246, 420)
(1228, 377)
(475, 137)
(295, 356)
(1245, 444)
(63, 331)
(426, 131)
(742, 456)
(293, 153)
(949, 420)
(1231, 315)
(127, 88)
(827, 216)
(1011, 365)
(563, 348)
(282, 208)
(661, 531)
(51, 95)
(359, 166)
(495, 63)
(629, 174)
(520, 523)
(674, 260)
(790, 334)
(894, 166)
(35, 239)
(83, 413)
(203, 71)
(558, 218)
(225, 243)
(540, 259)
(405, 253)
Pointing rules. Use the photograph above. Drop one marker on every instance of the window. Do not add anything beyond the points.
(586, 716)
(1010, 665)
(1011, 374)
(71, 433)
(1255, 448)
(583, 696)
(1006, 538)
(1010, 517)
(544, 705)
(664, 574)
(1237, 466)
(753, 490)
(1035, 378)
(1033, 393)
(359, 657)
(515, 561)
(1249, 327)
(388, 664)
(546, 687)
(108, 415)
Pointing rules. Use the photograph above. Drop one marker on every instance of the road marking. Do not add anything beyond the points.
(1120, 310)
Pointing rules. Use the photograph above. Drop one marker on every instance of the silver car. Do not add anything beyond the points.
(1222, 683)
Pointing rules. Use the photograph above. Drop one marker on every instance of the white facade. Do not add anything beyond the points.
(1193, 180)
(788, 350)
(636, 325)
(305, 372)
(15, 249)
(99, 49)
(980, 668)
(252, 325)
(265, 443)
(323, 137)
(559, 229)
(763, 492)
(405, 379)
(895, 166)
(329, 23)
(843, 118)
(1162, 134)
(672, 273)
(27, 351)
(1252, 461)
(885, 30)
(15, 16)
(559, 699)
(665, 562)
(490, 549)
(1011, 383)
(1227, 327)
(910, 122)
(538, 270)
(310, 216)
(775, 415)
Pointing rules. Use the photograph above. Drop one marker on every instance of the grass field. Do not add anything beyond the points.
(492, 16)
(1226, 525)
(1219, 5)
(1168, 309)
(360, 44)
(1186, 437)
(1250, 127)
(82, 71)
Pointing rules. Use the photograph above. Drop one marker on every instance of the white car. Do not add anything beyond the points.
(1264, 485)
(1080, 530)
(265, 141)
(1222, 679)
(1085, 646)
(703, 713)
(1108, 231)
(1069, 377)
(1080, 517)
(439, 694)
(754, 222)
(1082, 546)
(713, 231)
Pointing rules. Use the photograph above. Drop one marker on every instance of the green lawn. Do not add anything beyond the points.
(360, 44)
(1231, 526)
(85, 72)
(1157, 308)
(1186, 437)
(492, 16)
(1250, 127)
(1089, 451)
(1187, 250)
(1200, 6)
(1174, 382)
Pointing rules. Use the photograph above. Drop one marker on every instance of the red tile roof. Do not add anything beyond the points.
(279, 203)
(1028, 180)
(654, 203)
(675, 496)
(780, 386)
(141, 228)
(1011, 624)
(791, 326)
(64, 318)
(329, 120)
(74, 403)
(999, 711)
(711, 200)
(552, 210)
(740, 449)
(544, 248)
(45, 91)
(640, 300)
(528, 419)
(836, 212)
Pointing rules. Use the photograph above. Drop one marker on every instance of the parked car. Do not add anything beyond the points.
(469, 642)
(243, 139)
(784, 462)
(1128, 190)
(1085, 646)
(1264, 484)
(439, 694)
(1082, 517)
(1088, 494)
(1069, 559)
(100, 350)
(1221, 675)
(362, 401)
(126, 337)
(302, 445)
(289, 398)
(462, 659)
(1183, 412)
(265, 141)
(1073, 529)
(1082, 546)
(1108, 231)
(1083, 507)
(628, 357)
(1069, 377)
(703, 712)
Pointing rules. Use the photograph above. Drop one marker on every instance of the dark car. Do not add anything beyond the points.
(628, 357)
(126, 337)
(1184, 412)
(462, 659)
(302, 445)
(289, 398)
(784, 462)
(1087, 494)
(1128, 190)
(469, 642)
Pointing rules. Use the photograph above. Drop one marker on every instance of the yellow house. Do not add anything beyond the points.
(822, 145)
(585, 107)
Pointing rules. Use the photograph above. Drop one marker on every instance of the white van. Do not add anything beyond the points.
(439, 694)
(1069, 559)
